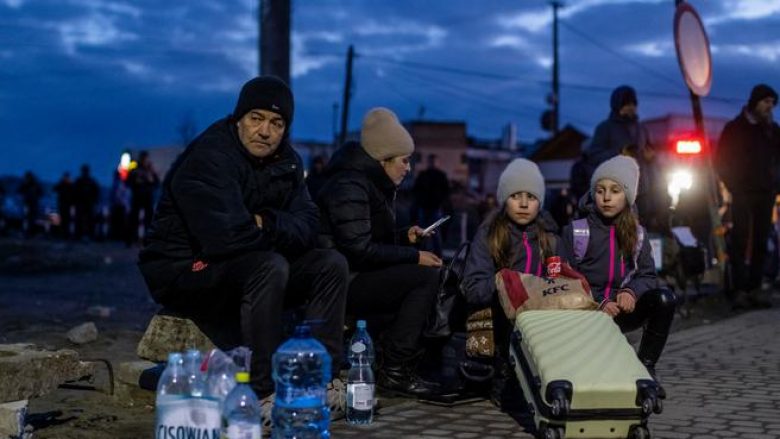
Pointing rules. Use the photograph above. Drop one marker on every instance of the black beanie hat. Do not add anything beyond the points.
(759, 93)
(266, 93)
(621, 96)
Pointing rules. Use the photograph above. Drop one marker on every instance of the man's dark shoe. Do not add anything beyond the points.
(399, 379)
(661, 390)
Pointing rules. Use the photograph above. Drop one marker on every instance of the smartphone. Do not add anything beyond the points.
(435, 225)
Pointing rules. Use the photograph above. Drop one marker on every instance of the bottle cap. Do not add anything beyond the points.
(242, 377)
(361, 324)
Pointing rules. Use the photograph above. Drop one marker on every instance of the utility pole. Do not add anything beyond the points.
(556, 100)
(274, 44)
(335, 124)
(347, 96)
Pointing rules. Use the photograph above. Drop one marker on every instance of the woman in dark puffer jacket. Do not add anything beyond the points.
(388, 275)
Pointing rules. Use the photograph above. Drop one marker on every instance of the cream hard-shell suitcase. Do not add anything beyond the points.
(581, 377)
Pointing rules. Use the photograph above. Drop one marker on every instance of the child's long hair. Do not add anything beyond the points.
(499, 241)
(625, 226)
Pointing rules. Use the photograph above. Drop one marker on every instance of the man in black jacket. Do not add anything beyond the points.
(234, 232)
(746, 159)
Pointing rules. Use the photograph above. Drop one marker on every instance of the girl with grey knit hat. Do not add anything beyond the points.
(611, 249)
(515, 237)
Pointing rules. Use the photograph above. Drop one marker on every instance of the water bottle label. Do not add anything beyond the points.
(179, 417)
(358, 347)
(243, 431)
(360, 396)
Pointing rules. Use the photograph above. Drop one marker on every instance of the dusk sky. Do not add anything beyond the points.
(80, 80)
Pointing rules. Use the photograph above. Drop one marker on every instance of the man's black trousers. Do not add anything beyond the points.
(254, 288)
(752, 216)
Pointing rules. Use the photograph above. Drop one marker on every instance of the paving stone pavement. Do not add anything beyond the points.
(723, 380)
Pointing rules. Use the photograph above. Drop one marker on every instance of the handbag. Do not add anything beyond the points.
(479, 326)
(449, 311)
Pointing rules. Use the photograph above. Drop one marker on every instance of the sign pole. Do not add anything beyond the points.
(693, 55)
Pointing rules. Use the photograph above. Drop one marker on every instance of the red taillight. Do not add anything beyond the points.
(688, 146)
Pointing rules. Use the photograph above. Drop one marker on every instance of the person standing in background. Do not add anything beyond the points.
(86, 195)
(143, 182)
(431, 196)
(31, 192)
(746, 162)
(65, 195)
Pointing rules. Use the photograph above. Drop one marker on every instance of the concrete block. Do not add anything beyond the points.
(27, 371)
(127, 390)
(12, 416)
(167, 333)
(129, 372)
(83, 333)
(133, 396)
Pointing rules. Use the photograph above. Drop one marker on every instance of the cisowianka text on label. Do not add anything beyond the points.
(185, 432)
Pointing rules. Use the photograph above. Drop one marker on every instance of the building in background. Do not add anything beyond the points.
(448, 141)
(556, 156)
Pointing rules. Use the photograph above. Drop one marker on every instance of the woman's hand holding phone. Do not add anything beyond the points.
(415, 233)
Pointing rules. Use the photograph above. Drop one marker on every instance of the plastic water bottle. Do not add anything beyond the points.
(178, 413)
(360, 379)
(301, 371)
(173, 382)
(361, 345)
(173, 392)
(241, 418)
(220, 375)
(195, 376)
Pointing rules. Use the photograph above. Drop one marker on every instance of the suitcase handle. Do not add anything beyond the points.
(483, 371)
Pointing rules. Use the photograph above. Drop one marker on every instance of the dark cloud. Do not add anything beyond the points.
(83, 79)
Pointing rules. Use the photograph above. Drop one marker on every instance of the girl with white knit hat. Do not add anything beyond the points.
(611, 249)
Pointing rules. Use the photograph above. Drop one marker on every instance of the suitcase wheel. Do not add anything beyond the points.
(647, 406)
(658, 407)
(560, 408)
(639, 432)
(551, 433)
(652, 404)
(560, 404)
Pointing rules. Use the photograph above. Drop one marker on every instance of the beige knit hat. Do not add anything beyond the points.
(383, 137)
